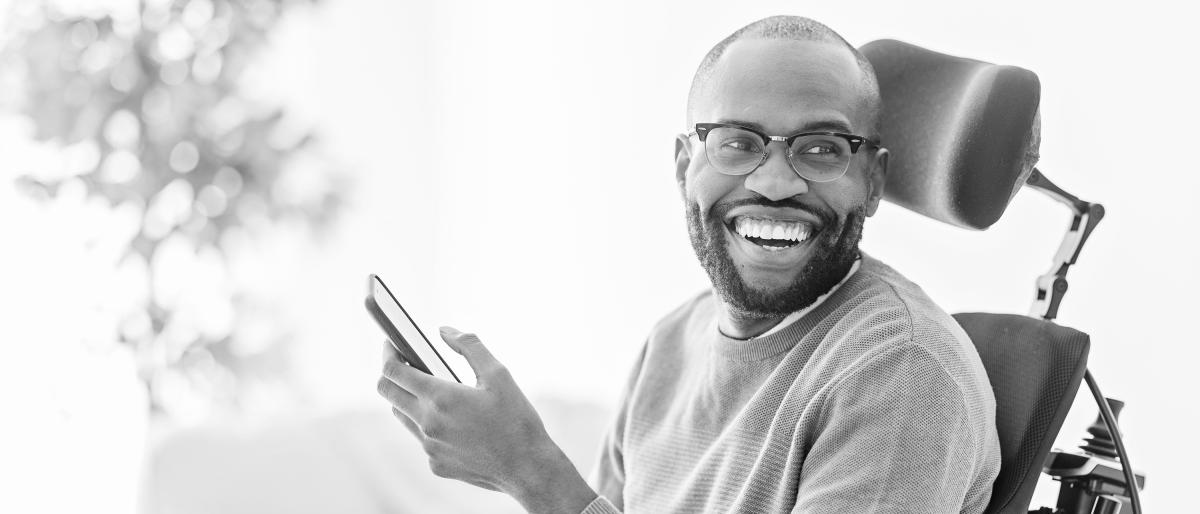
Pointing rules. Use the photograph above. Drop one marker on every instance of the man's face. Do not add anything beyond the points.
(779, 87)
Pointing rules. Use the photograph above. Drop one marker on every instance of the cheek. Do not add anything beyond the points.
(843, 195)
(706, 188)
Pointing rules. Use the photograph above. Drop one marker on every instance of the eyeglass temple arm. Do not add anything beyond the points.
(1053, 285)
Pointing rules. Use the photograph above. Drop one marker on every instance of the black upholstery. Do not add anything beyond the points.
(1035, 368)
(963, 134)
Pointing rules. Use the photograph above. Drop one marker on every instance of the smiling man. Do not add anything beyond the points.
(811, 378)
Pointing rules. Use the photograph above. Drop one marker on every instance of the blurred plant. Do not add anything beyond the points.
(145, 105)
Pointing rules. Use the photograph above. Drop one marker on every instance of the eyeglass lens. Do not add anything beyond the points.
(819, 158)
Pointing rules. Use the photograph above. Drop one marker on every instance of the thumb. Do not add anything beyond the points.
(471, 348)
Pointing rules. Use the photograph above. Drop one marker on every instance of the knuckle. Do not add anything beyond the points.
(433, 428)
(390, 368)
(383, 386)
(440, 402)
(501, 372)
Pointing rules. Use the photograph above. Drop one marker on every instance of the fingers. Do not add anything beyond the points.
(471, 348)
(408, 423)
(390, 352)
(396, 395)
(407, 377)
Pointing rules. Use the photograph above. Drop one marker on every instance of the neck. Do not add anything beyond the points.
(738, 324)
(742, 326)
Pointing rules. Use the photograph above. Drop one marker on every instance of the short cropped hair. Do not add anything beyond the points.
(795, 28)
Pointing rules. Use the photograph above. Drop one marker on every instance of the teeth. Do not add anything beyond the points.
(772, 229)
(801, 232)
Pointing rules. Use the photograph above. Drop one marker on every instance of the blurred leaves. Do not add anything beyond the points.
(142, 105)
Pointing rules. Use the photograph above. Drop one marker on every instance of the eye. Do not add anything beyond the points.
(818, 149)
(739, 145)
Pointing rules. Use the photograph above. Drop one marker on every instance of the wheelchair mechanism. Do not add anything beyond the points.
(964, 138)
(1095, 480)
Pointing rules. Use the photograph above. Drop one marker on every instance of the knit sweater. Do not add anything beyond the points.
(875, 401)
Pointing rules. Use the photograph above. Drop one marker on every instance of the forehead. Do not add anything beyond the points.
(784, 86)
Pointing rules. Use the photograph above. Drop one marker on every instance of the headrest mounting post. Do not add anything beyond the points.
(1053, 285)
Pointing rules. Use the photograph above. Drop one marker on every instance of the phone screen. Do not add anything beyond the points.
(412, 335)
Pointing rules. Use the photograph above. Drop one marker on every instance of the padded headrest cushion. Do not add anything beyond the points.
(963, 134)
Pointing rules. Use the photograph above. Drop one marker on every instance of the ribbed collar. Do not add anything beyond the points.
(773, 344)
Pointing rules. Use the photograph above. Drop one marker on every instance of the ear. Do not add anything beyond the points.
(683, 159)
(876, 179)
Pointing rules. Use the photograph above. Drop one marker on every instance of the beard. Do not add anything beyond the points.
(833, 252)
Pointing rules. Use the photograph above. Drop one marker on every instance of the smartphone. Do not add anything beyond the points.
(405, 336)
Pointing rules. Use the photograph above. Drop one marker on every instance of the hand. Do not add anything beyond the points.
(488, 435)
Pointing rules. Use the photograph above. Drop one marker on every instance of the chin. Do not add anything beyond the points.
(766, 270)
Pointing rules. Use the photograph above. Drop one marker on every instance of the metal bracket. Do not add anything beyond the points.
(1053, 285)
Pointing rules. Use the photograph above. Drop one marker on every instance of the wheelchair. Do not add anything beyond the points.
(964, 138)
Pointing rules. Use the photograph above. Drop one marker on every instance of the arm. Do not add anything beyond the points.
(608, 476)
(488, 435)
(896, 436)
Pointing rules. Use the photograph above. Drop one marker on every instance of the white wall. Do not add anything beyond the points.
(562, 256)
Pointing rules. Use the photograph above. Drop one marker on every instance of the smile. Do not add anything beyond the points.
(772, 235)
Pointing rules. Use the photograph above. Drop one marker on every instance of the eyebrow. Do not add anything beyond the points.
(812, 126)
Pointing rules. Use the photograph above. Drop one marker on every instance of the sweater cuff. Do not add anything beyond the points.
(600, 505)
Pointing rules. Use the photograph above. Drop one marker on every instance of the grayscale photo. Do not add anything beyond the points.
(393, 257)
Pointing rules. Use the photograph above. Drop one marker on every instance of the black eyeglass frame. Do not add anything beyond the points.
(702, 129)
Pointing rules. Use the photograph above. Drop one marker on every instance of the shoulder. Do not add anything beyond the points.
(887, 324)
(925, 325)
(934, 330)
(687, 321)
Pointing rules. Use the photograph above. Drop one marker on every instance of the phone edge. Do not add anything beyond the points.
(371, 278)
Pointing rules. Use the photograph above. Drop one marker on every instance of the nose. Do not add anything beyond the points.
(775, 178)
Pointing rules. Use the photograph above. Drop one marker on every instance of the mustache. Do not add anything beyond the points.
(828, 218)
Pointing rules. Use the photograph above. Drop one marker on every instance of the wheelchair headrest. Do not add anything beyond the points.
(963, 134)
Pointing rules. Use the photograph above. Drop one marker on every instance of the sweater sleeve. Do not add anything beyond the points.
(601, 505)
(895, 436)
(608, 475)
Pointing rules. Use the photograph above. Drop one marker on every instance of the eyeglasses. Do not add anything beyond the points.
(815, 156)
